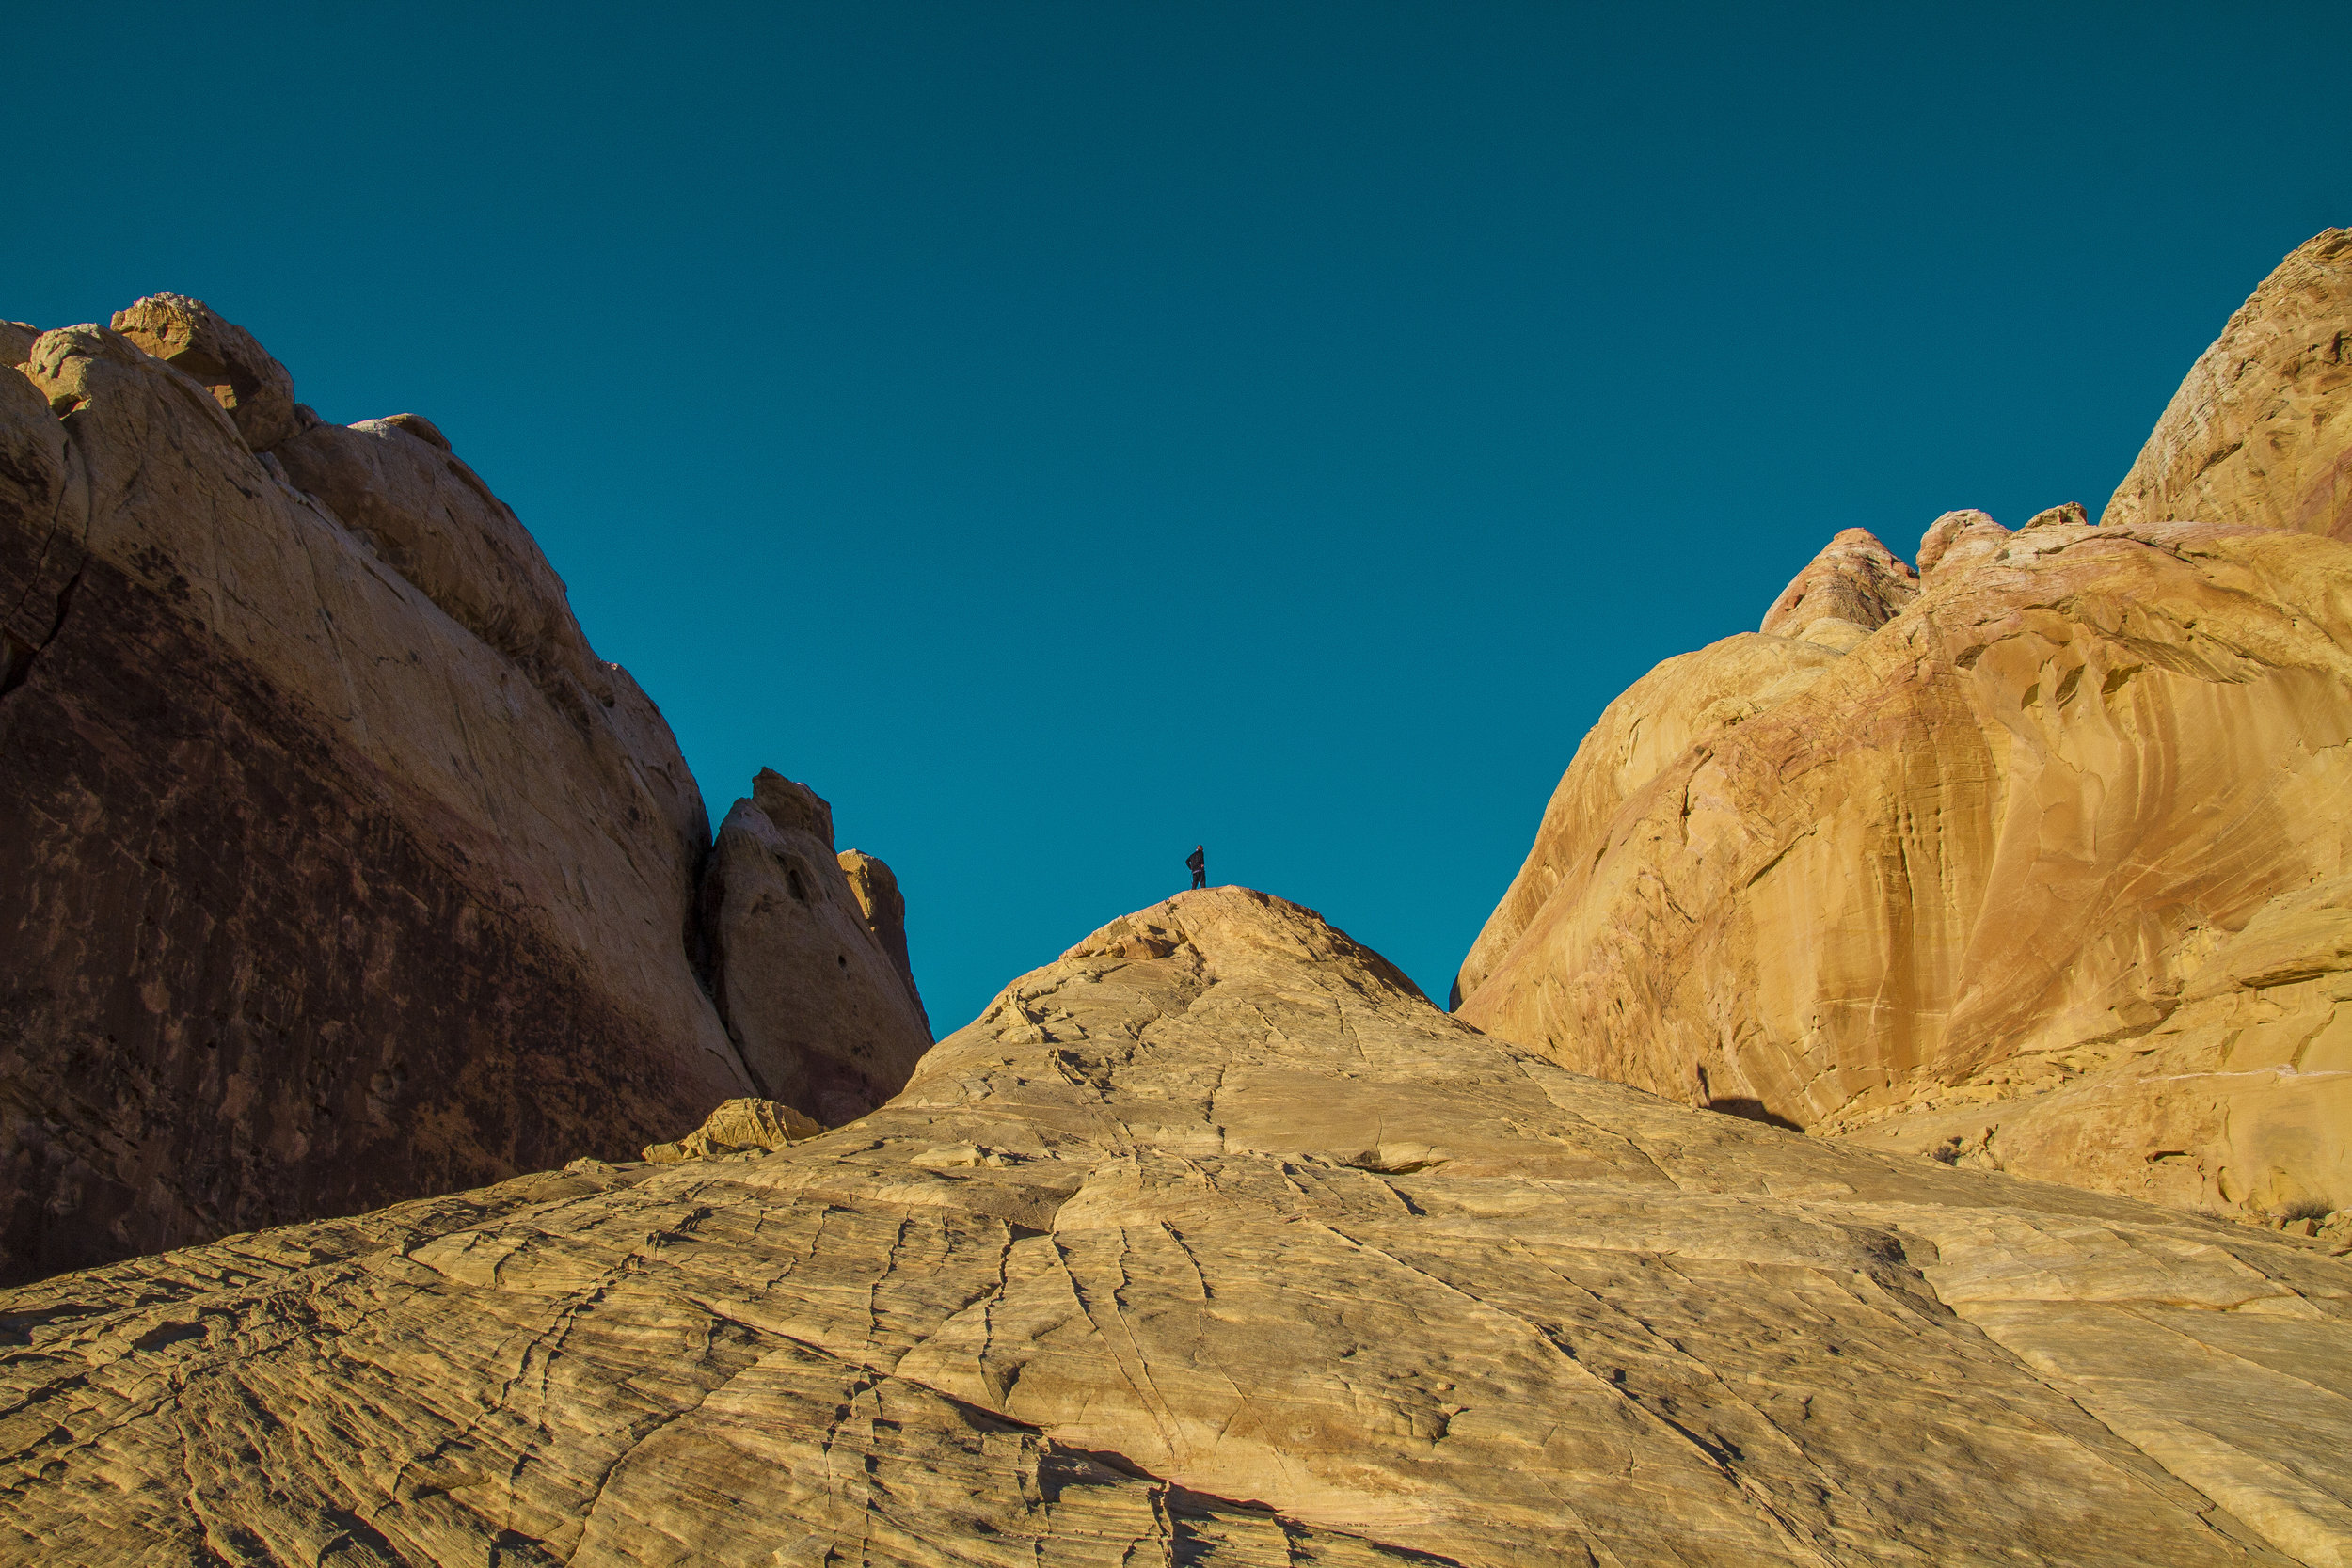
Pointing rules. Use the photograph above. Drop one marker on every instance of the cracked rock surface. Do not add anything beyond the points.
(1211, 1243)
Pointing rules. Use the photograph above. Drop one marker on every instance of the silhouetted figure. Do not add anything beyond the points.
(1198, 860)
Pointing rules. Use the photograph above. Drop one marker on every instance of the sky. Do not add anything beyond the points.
(1061, 433)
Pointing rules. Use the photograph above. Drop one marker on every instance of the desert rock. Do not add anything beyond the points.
(1853, 587)
(334, 866)
(2259, 433)
(1210, 1243)
(738, 1127)
(1683, 704)
(876, 890)
(1997, 868)
(222, 357)
(824, 1016)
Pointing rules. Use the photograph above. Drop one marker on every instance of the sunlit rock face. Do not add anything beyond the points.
(2259, 433)
(2041, 871)
(334, 867)
(1212, 1242)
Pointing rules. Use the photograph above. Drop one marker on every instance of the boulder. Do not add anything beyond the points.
(321, 884)
(2258, 434)
(1211, 1241)
(823, 1014)
(222, 357)
(1957, 541)
(1853, 587)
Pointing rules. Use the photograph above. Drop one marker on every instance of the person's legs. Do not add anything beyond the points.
(1201, 878)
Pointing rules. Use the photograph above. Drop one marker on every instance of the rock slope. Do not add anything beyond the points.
(334, 865)
(2043, 873)
(2259, 433)
(1210, 1243)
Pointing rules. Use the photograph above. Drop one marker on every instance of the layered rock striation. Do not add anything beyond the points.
(2040, 867)
(1212, 1242)
(2258, 433)
(334, 867)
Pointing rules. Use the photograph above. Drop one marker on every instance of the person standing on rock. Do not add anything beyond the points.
(1198, 860)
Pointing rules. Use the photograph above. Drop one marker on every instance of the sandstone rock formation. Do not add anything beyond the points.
(738, 1127)
(1853, 587)
(786, 924)
(2041, 876)
(2259, 434)
(1211, 1243)
(334, 865)
(1997, 865)
(884, 909)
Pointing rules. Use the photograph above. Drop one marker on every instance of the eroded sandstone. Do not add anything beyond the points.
(2258, 434)
(334, 867)
(825, 1015)
(1210, 1242)
(1979, 873)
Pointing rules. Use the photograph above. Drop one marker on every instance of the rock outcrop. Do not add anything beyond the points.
(2015, 881)
(1853, 587)
(2261, 432)
(1995, 865)
(823, 1014)
(334, 866)
(738, 1126)
(1210, 1243)
(884, 908)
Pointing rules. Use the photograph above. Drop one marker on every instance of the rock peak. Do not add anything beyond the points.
(1853, 587)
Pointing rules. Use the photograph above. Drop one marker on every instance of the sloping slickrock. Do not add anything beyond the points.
(312, 893)
(395, 483)
(1853, 587)
(1997, 868)
(2258, 433)
(822, 1015)
(1211, 1243)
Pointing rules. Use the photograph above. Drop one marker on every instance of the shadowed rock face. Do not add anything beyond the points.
(1212, 1242)
(825, 1017)
(2259, 433)
(334, 867)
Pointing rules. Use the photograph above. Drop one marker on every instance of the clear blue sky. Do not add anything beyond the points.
(1064, 433)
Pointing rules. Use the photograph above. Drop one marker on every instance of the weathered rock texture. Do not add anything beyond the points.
(2043, 873)
(1853, 587)
(2024, 867)
(2261, 432)
(884, 909)
(788, 924)
(334, 865)
(1211, 1243)
(738, 1127)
